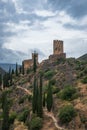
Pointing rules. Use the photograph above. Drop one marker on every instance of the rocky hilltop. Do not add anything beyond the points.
(61, 73)
(51, 95)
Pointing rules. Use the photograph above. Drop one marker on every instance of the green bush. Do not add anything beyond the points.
(22, 99)
(23, 116)
(80, 74)
(55, 90)
(83, 118)
(12, 117)
(84, 80)
(67, 93)
(66, 114)
(53, 81)
(85, 70)
(49, 74)
(29, 97)
(36, 123)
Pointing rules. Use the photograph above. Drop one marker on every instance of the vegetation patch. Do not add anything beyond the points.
(25, 97)
(49, 74)
(12, 117)
(68, 93)
(36, 123)
(23, 116)
(66, 114)
(84, 80)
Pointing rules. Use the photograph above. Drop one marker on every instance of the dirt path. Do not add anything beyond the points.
(49, 114)
(27, 91)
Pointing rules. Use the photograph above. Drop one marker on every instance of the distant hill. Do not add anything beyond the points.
(2, 72)
(11, 56)
(6, 66)
(83, 57)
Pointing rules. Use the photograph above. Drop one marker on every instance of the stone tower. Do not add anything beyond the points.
(57, 47)
(58, 51)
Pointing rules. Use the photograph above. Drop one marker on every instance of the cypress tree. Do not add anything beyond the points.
(20, 69)
(11, 81)
(5, 107)
(10, 77)
(23, 72)
(40, 109)
(44, 100)
(34, 101)
(34, 63)
(0, 80)
(49, 98)
(12, 71)
(6, 80)
(16, 71)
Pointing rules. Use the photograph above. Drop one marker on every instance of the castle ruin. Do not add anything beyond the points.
(29, 62)
(58, 51)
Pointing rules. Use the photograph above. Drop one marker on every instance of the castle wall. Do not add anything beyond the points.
(57, 56)
(27, 64)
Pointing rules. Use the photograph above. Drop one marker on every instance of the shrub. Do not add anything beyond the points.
(83, 118)
(67, 93)
(23, 116)
(53, 81)
(84, 80)
(22, 99)
(12, 117)
(36, 123)
(85, 70)
(66, 114)
(55, 90)
(49, 74)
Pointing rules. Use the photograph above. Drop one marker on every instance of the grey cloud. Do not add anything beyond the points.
(74, 8)
(38, 51)
(75, 26)
(75, 47)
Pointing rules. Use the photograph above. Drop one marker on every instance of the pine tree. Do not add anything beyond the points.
(49, 98)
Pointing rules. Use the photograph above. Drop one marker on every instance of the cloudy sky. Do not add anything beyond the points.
(27, 25)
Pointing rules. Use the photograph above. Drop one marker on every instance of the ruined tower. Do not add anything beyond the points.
(57, 47)
(29, 62)
(58, 51)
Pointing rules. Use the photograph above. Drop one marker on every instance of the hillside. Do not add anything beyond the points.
(61, 73)
(6, 66)
(2, 72)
